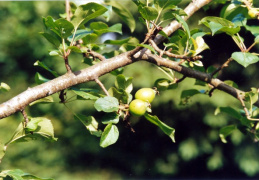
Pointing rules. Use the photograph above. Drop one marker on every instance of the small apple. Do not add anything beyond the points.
(138, 107)
(253, 13)
(146, 94)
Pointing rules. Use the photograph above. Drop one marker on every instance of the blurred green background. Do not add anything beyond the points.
(145, 154)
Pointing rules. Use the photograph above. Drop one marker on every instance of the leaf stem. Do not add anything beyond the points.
(102, 86)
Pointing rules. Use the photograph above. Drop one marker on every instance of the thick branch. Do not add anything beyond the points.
(20, 101)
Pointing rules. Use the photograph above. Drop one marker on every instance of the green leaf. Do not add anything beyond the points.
(55, 53)
(166, 4)
(90, 123)
(148, 47)
(100, 28)
(109, 136)
(148, 13)
(90, 38)
(124, 83)
(79, 34)
(86, 12)
(52, 39)
(117, 42)
(187, 94)
(253, 29)
(163, 84)
(18, 174)
(124, 14)
(87, 95)
(165, 128)
(219, 25)
(230, 111)
(184, 24)
(39, 79)
(226, 131)
(44, 66)
(107, 104)
(120, 94)
(244, 58)
(32, 125)
(109, 118)
(199, 45)
(44, 131)
(47, 99)
(4, 87)
(62, 27)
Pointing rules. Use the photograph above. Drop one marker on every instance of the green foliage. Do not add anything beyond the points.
(102, 115)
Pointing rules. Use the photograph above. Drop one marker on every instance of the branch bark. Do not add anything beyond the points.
(22, 100)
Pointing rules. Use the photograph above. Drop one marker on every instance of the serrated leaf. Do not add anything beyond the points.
(39, 79)
(86, 12)
(52, 39)
(44, 66)
(4, 87)
(90, 123)
(148, 13)
(43, 131)
(219, 25)
(109, 118)
(226, 131)
(124, 83)
(165, 128)
(107, 104)
(87, 95)
(244, 58)
(18, 174)
(109, 136)
(124, 14)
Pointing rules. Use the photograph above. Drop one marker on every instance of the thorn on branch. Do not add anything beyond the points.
(62, 96)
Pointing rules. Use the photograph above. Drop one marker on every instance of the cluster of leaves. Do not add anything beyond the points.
(82, 36)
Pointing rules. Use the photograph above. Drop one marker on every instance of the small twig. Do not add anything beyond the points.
(221, 67)
(97, 55)
(68, 67)
(211, 91)
(246, 110)
(169, 54)
(25, 117)
(180, 80)
(102, 86)
(68, 11)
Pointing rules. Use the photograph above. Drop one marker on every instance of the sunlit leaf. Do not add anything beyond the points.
(43, 65)
(124, 14)
(39, 79)
(165, 128)
(90, 95)
(109, 136)
(148, 13)
(17, 174)
(86, 12)
(244, 58)
(148, 47)
(4, 87)
(107, 104)
(90, 123)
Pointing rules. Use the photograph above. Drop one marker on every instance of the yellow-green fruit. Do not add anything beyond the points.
(146, 94)
(138, 107)
(253, 13)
